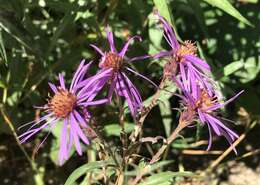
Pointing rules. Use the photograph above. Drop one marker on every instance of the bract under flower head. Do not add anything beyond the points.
(65, 107)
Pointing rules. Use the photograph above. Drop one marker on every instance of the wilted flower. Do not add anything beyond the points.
(65, 107)
(113, 67)
(184, 61)
(205, 107)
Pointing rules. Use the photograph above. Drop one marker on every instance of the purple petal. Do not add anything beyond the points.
(110, 39)
(210, 138)
(53, 87)
(232, 133)
(97, 49)
(96, 102)
(79, 74)
(219, 105)
(62, 83)
(139, 58)
(162, 54)
(138, 74)
(79, 131)
(201, 116)
(94, 79)
(112, 88)
(74, 134)
(198, 62)
(133, 91)
(171, 38)
(123, 51)
(213, 124)
(124, 91)
(63, 152)
(80, 120)
(32, 132)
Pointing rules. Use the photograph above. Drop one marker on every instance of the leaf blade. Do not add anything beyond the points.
(227, 7)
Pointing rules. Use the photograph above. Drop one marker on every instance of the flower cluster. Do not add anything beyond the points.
(192, 76)
(69, 106)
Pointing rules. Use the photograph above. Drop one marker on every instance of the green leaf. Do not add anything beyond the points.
(166, 113)
(232, 67)
(228, 8)
(2, 85)
(163, 177)
(2, 48)
(85, 169)
(151, 168)
(155, 35)
(250, 71)
(115, 129)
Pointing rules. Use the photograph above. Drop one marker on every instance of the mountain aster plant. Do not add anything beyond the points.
(66, 107)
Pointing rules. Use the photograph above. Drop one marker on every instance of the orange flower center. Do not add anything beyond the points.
(188, 48)
(206, 100)
(62, 103)
(111, 60)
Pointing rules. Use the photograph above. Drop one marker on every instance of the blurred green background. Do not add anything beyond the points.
(41, 38)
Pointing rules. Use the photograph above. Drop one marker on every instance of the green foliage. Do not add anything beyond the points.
(164, 178)
(228, 8)
(86, 168)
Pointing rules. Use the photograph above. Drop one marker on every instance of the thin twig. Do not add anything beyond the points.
(221, 157)
(201, 152)
(10, 124)
(153, 103)
(106, 145)
(31, 162)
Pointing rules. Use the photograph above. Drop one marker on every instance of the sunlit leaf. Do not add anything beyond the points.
(115, 129)
(166, 113)
(227, 7)
(2, 48)
(232, 67)
(85, 169)
(150, 169)
(163, 177)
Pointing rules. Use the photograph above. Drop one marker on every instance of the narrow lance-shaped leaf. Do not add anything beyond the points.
(2, 48)
(228, 8)
(164, 177)
(84, 169)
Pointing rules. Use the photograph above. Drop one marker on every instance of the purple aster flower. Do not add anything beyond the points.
(183, 61)
(113, 67)
(66, 107)
(205, 107)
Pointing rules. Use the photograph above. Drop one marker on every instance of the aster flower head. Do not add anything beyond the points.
(66, 107)
(113, 67)
(205, 107)
(183, 62)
